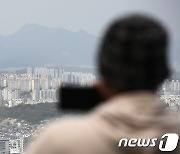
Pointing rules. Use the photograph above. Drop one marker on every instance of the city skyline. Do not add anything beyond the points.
(38, 85)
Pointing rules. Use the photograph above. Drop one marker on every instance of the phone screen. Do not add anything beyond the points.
(78, 98)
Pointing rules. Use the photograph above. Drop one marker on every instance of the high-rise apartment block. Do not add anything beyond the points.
(38, 85)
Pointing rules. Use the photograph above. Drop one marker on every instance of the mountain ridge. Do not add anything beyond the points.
(35, 45)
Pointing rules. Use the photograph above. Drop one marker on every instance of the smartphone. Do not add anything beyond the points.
(79, 98)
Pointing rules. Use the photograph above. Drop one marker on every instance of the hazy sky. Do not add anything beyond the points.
(89, 15)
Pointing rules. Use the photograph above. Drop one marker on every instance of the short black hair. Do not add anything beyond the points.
(133, 54)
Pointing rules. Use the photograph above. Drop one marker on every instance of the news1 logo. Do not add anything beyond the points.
(168, 142)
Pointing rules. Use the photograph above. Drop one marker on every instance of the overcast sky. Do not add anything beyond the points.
(89, 15)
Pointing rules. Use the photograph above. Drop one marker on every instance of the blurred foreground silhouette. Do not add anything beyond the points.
(132, 63)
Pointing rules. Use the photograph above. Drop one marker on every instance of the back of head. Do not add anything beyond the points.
(133, 54)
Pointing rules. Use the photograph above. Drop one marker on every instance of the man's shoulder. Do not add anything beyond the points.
(70, 127)
(63, 133)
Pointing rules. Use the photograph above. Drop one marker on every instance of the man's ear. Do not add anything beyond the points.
(105, 90)
(100, 85)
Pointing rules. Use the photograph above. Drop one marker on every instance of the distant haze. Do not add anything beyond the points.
(35, 45)
(91, 16)
(84, 22)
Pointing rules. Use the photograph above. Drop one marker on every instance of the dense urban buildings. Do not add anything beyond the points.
(38, 85)
(15, 135)
(170, 94)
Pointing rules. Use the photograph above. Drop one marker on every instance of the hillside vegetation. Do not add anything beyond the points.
(31, 113)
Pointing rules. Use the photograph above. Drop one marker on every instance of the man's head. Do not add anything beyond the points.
(133, 54)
